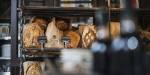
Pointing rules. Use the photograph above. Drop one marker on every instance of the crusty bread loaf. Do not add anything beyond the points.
(32, 68)
(115, 29)
(31, 32)
(89, 38)
(88, 34)
(74, 38)
(51, 31)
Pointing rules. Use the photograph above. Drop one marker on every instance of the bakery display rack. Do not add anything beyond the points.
(19, 13)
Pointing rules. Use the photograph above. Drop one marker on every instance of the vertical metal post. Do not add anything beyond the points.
(94, 4)
(14, 39)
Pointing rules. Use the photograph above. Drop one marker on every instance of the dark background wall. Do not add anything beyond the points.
(144, 4)
(4, 8)
(144, 19)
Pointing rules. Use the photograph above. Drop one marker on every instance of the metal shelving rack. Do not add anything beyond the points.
(14, 39)
(59, 11)
(17, 13)
(49, 11)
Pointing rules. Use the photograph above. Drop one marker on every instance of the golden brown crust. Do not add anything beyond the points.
(62, 25)
(31, 32)
(34, 69)
(74, 39)
(89, 38)
(115, 29)
(88, 35)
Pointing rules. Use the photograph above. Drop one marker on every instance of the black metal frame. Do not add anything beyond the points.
(14, 39)
(4, 20)
(15, 7)
(59, 11)
(28, 11)
(75, 1)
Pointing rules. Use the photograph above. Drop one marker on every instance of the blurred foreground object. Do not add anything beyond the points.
(76, 61)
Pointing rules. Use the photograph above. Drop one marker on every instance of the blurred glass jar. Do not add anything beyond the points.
(6, 48)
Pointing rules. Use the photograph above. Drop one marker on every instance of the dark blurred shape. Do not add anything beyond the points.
(115, 3)
(100, 65)
(127, 60)
(100, 3)
(102, 17)
(51, 3)
(5, 8)
(100, 46)
(132, 54)
(144, 4)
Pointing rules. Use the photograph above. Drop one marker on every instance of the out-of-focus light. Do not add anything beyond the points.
(132, 43)
(102, 33)
(118, 44)
(127, 26)
(7, 38)
(98, 47)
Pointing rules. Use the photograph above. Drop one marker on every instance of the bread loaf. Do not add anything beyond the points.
(88, 35)
(89, 38)
(33, 68)
(74, 38)
(52, 31)
(31, 32)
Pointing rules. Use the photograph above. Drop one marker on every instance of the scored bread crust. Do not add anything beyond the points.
(34, 69)
(74, 38)
(89, 37)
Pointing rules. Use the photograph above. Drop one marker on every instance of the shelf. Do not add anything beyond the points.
(76, 11)
(138, 11)
(39, 52)
(8, 38)
(5, 41)
(5, 73)
(36, 54)
(52, 57)
(76, 2)
(5, 58)
(59, 11)
(4, 20)
(45, 49)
